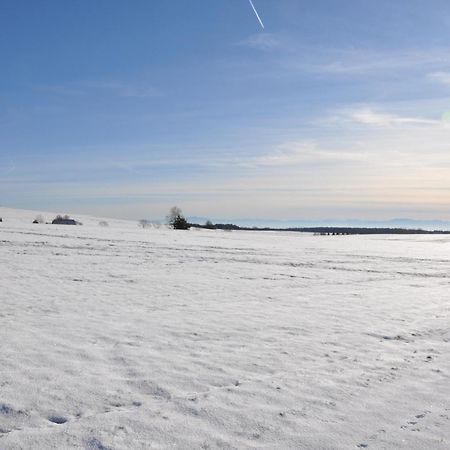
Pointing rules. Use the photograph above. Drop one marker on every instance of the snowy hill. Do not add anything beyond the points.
(23, 217)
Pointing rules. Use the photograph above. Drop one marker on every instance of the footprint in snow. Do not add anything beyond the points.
(95, 444)
(59, 420)
(415, 421)
(7, 410)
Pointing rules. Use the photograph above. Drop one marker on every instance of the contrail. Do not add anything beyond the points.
(257, 15)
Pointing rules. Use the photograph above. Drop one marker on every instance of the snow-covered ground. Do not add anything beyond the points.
(129, 338)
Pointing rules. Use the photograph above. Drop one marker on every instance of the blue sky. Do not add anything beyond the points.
(336, 109)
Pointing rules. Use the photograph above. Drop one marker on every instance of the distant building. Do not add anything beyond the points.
(64, 221)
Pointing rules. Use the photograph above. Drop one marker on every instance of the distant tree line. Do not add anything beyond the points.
(322, 230)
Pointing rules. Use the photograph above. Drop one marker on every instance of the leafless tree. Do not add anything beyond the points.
(144, 223)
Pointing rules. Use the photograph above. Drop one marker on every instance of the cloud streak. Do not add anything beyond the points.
(441, 77)
(369, 117)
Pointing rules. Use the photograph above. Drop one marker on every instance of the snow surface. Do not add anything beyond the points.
(131, 338)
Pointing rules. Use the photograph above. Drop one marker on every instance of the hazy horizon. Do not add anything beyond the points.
(398, 222)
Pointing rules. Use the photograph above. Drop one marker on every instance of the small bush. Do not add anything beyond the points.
(176, 219)
(180, 223)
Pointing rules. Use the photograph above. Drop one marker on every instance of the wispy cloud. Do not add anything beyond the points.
(360, 61)
(369, 117)
(293, 154)
(441, 77)
(263, 41)
(296, 57)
